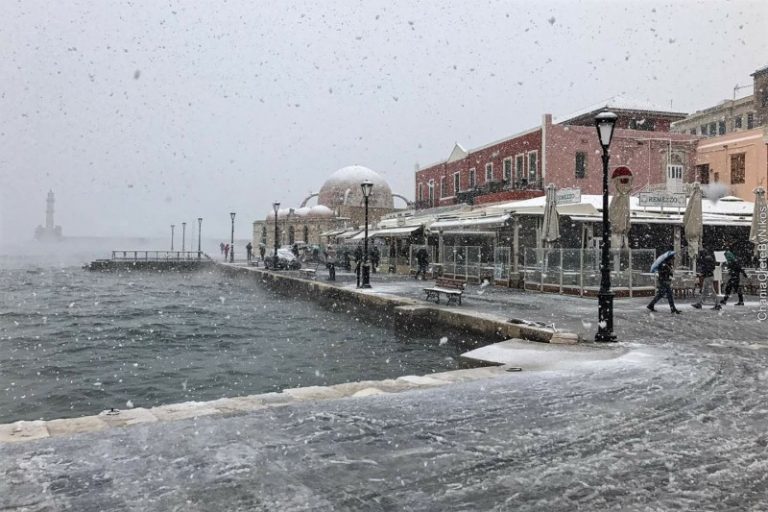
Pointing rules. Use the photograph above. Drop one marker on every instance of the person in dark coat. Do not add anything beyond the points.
(664, 286)
(295, 250)
(705, 270)
(422, 259)
(375, 258)
(735, 271)
(262, 251)
(330, 262)
(249, 252)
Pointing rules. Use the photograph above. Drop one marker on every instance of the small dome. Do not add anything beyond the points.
(281, 213)
(302, 212)
(320, 211)
(342, 188)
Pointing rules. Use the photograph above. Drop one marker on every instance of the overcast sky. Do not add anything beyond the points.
(141, 114)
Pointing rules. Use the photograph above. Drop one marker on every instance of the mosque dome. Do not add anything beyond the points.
(342, 188)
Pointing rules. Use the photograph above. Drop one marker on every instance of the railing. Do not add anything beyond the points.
(159, 256)
(578, 270)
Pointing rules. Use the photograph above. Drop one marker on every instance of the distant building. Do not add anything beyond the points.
(565, 152)
(733, 145)
(49, 231)
(732, 115)
(340, 208)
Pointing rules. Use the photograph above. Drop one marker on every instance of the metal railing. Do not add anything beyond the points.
(578, 270)
(159, 256)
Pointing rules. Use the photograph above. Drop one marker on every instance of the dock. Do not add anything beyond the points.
(152, 260)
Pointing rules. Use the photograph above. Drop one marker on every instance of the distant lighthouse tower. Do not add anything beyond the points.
(49, 232)
(49, 211)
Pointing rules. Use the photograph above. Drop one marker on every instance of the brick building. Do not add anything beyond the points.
(566, 153)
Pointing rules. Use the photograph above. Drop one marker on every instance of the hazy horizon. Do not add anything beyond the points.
(139, 115)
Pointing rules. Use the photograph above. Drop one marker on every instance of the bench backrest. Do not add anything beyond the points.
(443, 282)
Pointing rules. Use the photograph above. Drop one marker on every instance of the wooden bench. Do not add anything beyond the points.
(453, 289)
(309, 273)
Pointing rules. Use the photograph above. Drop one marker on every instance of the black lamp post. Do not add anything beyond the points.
(183, 236)
(276, 207)
(199, 231)
(366, 186)
(232, 239)
(173, 226)
(605, 123)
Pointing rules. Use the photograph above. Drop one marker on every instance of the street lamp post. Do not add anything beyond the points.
(173, 226)
(183, 236)
(199, 231)
(605, 123)
(276, 207)
(232, 239)
(366, 186)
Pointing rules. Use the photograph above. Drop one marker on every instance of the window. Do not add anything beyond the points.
(264, 235)
(472, 179)
(702, 173)
(456, 183)
(533, 164)
(692, 131)
(488, 172)
(703, 129)
(713, 129)
(737, 168)
(716, 177)
(291, 235)
(721, 128)
(507, 170)
(737, 122)
(519, 167)
(581, 164)
(420, 192)
(443, 187)
(750, 121)
(431, 192)
(306, 234)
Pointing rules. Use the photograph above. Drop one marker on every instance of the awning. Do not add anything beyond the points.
(460, 232)
(675, 221)
(333, 232)
(348, 235)
(399, 232)
(490, 221)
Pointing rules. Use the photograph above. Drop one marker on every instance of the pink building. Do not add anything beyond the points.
(566, 153)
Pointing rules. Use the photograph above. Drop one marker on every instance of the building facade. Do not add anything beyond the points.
(566, 153)
(734, 115)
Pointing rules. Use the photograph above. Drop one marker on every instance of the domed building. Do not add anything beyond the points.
(340, 207)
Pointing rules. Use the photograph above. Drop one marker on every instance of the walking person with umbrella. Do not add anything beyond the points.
(705, 268)
(735, 271)
(664, 265)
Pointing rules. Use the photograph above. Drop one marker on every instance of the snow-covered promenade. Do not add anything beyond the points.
(673, 419)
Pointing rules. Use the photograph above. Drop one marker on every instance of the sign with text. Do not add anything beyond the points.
(662, 199)
(568, 195)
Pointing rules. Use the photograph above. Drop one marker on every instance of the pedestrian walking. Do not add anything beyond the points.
(221, 247)
(295, 250)
(330, 262)
(705, 268)
(262, 251)
(249, 252)
(664, 286)
(375, 258)
(422, 260)
(735, 271)
(226, 251)
(358, 254)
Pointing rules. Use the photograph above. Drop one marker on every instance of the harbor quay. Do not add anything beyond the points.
(531, 425)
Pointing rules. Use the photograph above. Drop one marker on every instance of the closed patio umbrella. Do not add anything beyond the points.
(618, 211)
(551, 224)
(758, 233)
(692, 222)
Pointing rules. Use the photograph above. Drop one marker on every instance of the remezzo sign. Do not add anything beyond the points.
(662, 199)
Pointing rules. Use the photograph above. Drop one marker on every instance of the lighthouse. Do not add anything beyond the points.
(49, 232)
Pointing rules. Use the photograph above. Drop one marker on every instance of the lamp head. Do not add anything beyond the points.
(232, 215)
(367, 187)
(275, 206)
(605, 123)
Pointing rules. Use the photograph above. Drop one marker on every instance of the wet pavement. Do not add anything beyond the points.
(676, 422)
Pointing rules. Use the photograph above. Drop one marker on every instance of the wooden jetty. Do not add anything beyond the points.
(152, 260)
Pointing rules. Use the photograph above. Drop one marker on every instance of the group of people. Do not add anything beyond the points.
(332, 260)
(705, 274)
